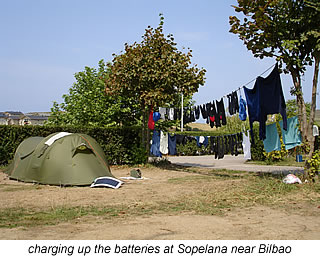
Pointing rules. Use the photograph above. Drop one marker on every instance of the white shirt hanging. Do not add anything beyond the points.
(246, 146)
(171, 113)
(315, 130)
(164, 140)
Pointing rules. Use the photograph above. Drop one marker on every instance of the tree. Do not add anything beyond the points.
(154, 72)
(88, 105)
(289, 31)
(292, 108)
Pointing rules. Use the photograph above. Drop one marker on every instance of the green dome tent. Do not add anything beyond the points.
(59, 159)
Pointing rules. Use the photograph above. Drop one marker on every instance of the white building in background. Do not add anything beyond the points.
(3, 119)
(18, 118)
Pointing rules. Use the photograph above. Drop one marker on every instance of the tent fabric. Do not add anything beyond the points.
(56, 137)
(28, 146)
(74, 159)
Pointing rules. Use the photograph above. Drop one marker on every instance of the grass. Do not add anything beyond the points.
(14, 188)
(289, 161)
(217, 192)
(3, 167)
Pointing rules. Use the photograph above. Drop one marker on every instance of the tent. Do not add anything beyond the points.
(59, 159)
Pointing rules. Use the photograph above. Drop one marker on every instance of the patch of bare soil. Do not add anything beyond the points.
(300, 221)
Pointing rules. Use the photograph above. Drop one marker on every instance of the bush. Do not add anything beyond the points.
(121, 145)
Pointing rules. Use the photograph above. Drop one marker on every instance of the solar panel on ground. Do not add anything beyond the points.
(106, 182)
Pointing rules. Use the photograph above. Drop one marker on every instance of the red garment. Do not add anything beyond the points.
(212, 118)
(151, 122)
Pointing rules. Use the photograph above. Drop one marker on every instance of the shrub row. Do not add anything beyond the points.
(121, 145)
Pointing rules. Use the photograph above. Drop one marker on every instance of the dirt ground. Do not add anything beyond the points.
(255, 222)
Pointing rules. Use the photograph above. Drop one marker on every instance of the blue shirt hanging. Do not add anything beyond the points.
(265, 98)
(155, 146)
(242, 109)
(272, 141)
(291, 137)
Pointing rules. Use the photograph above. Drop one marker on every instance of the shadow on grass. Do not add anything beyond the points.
(165, 164)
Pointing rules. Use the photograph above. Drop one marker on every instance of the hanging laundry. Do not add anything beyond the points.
(316, 143)
(181, 139)
(164, 143)
(315, 130)
(192, 116)
(171, 114)
(175, 114)
(208, 109)
(242, 109)
(197, 112)
(202, 140)
(212, 121)
(291, 137)
(226, 141)
(213, 145)
(217, 146)
(272, 141)
(151, 121)
(156, 116)
(163, 112)
(155, 145)
(233, 103)
(246, 145)
(212, 114)
(172, 144)
(265, 98)
(186, 116)
(220, 148)
(234, 144)
(239, 143)
(203, 111)
(221, 114)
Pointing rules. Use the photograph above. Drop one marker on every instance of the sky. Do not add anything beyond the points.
(44, 43)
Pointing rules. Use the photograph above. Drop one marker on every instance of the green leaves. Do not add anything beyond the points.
(153, 70)
(288, 30)
(87, 104)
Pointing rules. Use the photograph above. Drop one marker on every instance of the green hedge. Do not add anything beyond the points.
(121, 145)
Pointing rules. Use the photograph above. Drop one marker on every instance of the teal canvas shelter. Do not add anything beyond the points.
(59, 159)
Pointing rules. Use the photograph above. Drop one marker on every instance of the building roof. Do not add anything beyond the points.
(38, 114)
(14, 117)
(32, 117)
(15, 113)
(3, 115)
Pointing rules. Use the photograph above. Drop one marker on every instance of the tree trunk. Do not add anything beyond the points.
(145, 133)
(144, 125)
(148, 134)
(313, 104)
(302, 112)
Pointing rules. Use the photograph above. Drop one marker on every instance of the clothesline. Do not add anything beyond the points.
(238, 89)
(214, 112)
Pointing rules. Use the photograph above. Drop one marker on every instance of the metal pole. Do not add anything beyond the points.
(182, 112)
